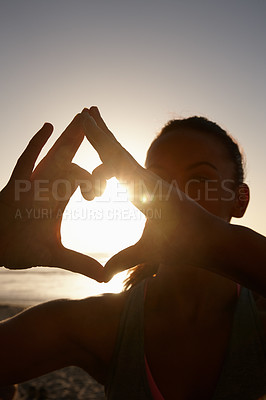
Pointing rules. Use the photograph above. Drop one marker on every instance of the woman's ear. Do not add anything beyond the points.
(241, 201)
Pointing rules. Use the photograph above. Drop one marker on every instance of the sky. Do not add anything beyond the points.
(143, 63)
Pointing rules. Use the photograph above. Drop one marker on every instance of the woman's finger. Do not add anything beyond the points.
(103, 142)
(68, 143)
(102, 172)
(95, 114)
(26, 161)
(71, 178)
(125, 259)
(99, 177)
(79, 263)
(112, 154)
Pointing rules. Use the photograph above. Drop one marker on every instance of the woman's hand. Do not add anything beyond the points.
(178, 229)
(174, 227)
(33, 202)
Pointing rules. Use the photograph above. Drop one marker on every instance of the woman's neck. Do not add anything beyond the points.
(192, 288)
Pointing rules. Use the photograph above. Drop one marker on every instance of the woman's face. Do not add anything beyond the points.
(201, 167)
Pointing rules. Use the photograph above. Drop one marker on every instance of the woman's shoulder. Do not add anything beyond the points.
(103, 311)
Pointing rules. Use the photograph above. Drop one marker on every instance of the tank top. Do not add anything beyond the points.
(243, 374)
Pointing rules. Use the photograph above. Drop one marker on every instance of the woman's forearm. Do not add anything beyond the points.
(239, 253)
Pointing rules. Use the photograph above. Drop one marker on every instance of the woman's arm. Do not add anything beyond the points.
(35, 342)
(238, 253)
(57, 334)
(179, 229)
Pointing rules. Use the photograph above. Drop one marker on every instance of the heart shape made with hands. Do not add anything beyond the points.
(27, 241)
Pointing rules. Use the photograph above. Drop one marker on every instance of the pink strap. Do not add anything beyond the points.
(156, 394)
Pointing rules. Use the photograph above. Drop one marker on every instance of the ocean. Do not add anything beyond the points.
(36, 285)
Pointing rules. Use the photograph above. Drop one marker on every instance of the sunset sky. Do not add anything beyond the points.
(143, 63)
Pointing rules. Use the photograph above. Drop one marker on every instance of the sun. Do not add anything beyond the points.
(102, 227)
(105, 225)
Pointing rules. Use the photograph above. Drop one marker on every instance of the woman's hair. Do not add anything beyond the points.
(202, 124)
(207, 127)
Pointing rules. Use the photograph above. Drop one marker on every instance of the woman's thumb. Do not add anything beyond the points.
(125, 259)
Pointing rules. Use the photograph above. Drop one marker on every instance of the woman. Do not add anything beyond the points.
(189, 331)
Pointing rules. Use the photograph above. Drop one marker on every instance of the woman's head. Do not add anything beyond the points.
(204, 161)
(203, 125)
